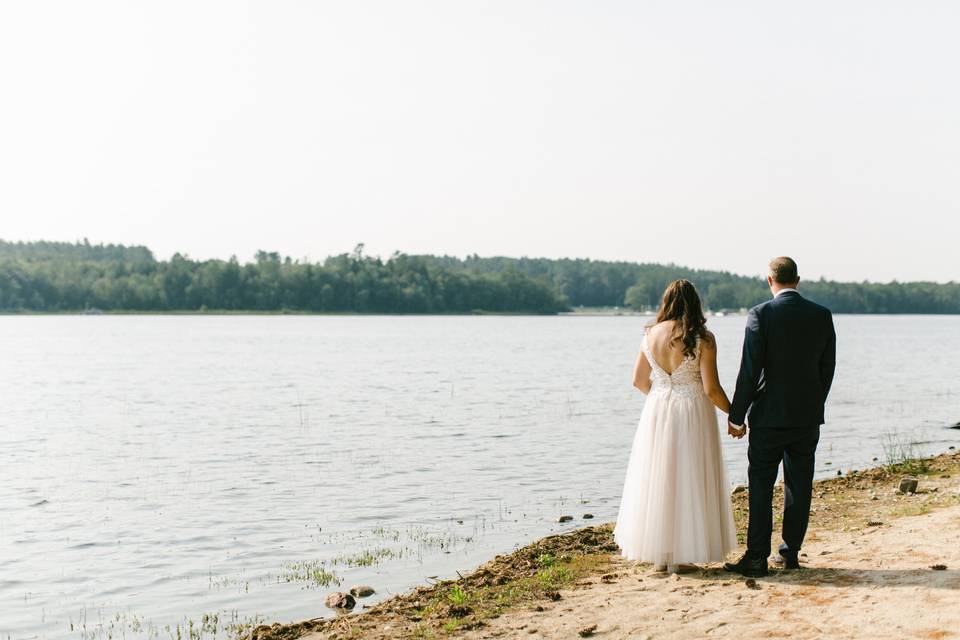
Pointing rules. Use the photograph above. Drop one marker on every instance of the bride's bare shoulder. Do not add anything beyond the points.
(660, 326)
(709, 339)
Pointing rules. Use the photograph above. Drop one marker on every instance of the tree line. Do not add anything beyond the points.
(54, 276)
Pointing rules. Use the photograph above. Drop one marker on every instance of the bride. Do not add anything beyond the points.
(675, 510)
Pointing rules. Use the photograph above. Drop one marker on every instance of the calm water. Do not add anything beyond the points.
(156, 469)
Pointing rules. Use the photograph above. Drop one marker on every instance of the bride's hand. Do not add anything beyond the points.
(735, 431)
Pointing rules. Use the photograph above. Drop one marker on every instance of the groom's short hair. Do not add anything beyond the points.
(783, 270)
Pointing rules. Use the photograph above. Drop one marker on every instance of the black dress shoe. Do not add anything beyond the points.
(748, 566)
(787, 563)
(787, 559)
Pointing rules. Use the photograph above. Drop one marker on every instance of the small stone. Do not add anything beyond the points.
(938, 567)
(564, 518)
(340, 600)
(751, 583)
(839, 472)
(738, 489)
(908, 484)
(552, 595)
(588, 516)
(361, 591)
(874, 523)
(586, 632)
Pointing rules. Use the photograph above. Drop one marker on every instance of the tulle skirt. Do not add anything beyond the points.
(675, 506)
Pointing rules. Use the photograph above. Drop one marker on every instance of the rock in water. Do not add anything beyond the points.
(564, 518)
(587, 516)
(340, 600)
(908, 485)
(361, 591)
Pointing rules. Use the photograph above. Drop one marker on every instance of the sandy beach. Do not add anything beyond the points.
(872, 582)
(879, 563)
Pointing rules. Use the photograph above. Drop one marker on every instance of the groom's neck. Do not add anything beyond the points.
(776, 287)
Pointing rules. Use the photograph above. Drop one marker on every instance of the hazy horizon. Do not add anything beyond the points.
(709, 135)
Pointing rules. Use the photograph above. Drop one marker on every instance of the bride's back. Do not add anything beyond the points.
(668, 354)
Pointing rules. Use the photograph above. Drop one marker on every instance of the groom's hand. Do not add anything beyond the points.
(735, 431)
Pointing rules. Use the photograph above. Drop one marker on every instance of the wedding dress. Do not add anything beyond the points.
(675, 507)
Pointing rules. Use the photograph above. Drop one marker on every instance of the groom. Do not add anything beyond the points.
(789, 355)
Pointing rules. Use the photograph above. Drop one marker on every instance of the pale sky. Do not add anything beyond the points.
(709, 134)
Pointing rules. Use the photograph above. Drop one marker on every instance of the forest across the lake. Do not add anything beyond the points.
(59, 276)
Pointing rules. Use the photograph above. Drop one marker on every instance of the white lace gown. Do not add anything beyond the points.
(675, 507)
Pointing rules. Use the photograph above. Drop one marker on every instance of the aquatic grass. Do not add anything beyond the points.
(210, 626)
(903, 456)
(367, 557)
(313, 572)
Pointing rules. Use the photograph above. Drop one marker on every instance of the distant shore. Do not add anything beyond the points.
(867, 543)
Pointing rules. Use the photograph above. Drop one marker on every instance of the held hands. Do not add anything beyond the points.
(735, 431)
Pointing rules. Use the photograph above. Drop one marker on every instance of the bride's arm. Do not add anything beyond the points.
(708, 372)
(641, 373)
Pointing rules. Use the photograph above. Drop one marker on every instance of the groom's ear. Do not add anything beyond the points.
(769, 281)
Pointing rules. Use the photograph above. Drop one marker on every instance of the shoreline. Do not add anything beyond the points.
(579, 575)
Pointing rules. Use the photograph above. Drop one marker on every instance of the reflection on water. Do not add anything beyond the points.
(162, 470)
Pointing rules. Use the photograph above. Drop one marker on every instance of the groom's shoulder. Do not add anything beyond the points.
(818, 307)
(760, 308)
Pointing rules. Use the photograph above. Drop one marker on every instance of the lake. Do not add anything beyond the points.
(158, 471)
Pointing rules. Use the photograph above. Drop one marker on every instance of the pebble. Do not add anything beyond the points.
(340, 600)
(564, 518)
(361, 590)
(586, 632)
(908, 485)
(587, 516)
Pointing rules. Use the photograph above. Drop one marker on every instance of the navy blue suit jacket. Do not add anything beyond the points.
(789, 356)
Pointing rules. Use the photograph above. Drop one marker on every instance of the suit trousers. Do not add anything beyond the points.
(797, 449)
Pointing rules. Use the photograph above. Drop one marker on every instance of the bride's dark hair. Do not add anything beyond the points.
(681, 303)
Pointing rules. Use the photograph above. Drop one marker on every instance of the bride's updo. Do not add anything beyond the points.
(681, 303)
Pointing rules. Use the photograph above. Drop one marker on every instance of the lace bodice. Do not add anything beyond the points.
(685, 381)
